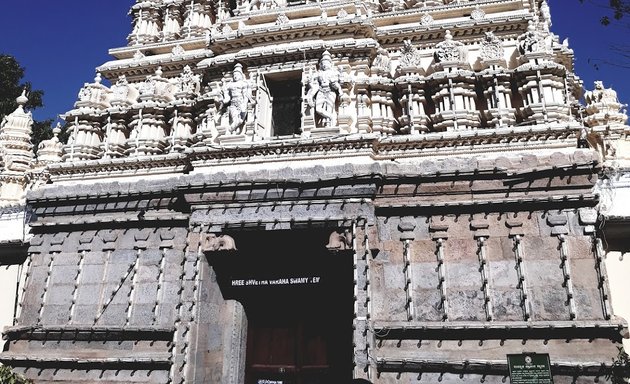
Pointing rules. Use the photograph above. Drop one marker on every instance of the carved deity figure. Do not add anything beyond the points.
(236, 95)
(188, 82)
(324, 89)
(533, 41)
(382, 61)
(601, 95)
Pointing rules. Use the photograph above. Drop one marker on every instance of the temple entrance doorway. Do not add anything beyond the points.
(298, 298)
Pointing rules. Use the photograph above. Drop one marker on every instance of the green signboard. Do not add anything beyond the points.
(530, 368)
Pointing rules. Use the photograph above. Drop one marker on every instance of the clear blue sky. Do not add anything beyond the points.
(60, 42)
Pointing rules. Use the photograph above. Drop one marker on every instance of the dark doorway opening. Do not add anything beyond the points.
(287, 98)
(298, 298)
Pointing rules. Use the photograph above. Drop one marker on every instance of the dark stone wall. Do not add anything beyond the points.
(454, 267)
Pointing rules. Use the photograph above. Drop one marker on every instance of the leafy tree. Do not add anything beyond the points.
(615, 13)
(8, 377)
(11, 86)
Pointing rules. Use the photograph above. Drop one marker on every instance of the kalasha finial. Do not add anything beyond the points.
(448, 35)
(57, 130)
(22, 99)
(98, 78)
(158, 72)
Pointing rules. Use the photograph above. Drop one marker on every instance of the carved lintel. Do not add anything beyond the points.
(213, 242)
(340, 240)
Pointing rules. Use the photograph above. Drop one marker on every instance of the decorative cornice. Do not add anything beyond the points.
(438, 144)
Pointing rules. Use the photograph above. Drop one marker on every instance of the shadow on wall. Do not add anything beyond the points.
(361, 381)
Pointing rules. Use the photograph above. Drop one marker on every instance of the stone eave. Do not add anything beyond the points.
(138, 69)
(127, 166)
(72, 361)
(189, 44)
(87, 333)
(303, 30)
(438, 144)
(541, 330)
(311, 50)
(496, 4)
(470, 32)
(310, 9)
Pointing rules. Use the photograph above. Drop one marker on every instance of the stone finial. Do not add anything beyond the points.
(123, 93)
(156, 88)
(94, 95)
(15, 137)
(450, 53)
(478, 14)
(22, 99)
(50, 151)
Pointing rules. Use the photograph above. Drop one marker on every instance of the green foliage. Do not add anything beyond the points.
(8, 377)
(620, 373)
(11, 86)
(619, 9)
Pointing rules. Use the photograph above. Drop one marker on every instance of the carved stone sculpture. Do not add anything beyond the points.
(236, 95)
(323, 91)
(262, 4)
(382, 62)
(409, 55)
(603, 107)
(491, 48)
(123, 93)
(187, 83)
(340, 241)
(450, 50)
(213, 243)
(533, 41)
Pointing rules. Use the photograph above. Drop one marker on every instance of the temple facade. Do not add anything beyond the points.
(300, 192)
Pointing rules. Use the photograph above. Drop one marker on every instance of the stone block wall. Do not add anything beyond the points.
(453, 269)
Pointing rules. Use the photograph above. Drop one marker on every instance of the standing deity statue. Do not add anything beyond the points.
(236, 95)
(324, 89)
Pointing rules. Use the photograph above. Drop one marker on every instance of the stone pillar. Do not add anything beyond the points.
(172, 23)
(115, 143)
(414, 118)
(454, 88)
(197, 18)
(86, 135)
(147, 23)
(498, 94)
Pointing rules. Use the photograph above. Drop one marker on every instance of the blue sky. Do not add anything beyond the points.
(60, 43)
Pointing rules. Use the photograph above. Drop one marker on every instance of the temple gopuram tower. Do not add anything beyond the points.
(310, 192)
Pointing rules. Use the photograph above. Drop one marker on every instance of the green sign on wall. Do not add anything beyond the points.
(530, 368)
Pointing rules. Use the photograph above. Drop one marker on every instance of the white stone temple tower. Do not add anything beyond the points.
(295, 191)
